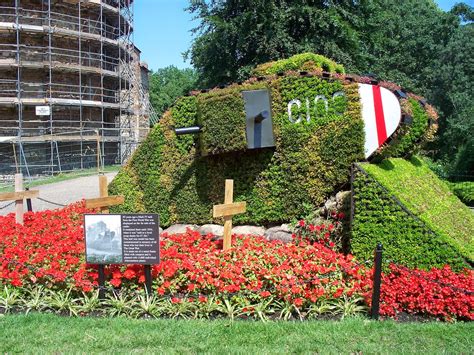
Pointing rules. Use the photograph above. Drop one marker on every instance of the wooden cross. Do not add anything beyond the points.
(104, 201)
(19, 196)
(228, 210)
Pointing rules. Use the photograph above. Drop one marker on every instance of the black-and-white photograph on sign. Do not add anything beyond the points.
(122, 239)
(103, 239)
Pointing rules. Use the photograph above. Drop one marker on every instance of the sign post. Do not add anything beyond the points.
(228, 210)
(18, 196)
(122, 239)
(103, 202)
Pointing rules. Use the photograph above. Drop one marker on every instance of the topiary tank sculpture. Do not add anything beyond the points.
(287, 136)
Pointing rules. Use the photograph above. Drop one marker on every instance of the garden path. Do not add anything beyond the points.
(64, 192)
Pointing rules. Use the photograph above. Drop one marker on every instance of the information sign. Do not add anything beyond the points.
(43, 110)
(122, 239)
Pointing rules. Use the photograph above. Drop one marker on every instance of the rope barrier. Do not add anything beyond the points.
(7, 205)
(51, 202)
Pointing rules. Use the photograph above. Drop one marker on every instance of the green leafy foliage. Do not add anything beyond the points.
(236, 36)
(304, 62)
(168, 84)
(409, 134)
(222, 114)
(464, 190)
(453, 91)
(442, 232)
(318, 134)
(183, 177)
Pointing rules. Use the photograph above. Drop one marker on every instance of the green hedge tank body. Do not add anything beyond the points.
(287, 137)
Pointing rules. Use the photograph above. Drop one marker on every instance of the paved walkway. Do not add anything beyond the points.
(63, 193)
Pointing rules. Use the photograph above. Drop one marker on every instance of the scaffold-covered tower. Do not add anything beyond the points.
(72, 90)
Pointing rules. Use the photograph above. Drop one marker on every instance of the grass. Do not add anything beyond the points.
(53, 334)
(429, 198)
(61, 177)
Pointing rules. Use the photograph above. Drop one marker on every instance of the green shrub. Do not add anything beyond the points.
(440, 234)
(222, 114)
(183, 177)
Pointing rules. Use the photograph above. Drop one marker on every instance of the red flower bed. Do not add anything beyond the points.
(440, 293)
(49, 250)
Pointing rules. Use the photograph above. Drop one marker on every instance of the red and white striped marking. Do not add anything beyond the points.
(381, 113)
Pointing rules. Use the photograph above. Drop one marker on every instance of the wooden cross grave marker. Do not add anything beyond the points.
(104, 201)
(19, 196)
(228, 210)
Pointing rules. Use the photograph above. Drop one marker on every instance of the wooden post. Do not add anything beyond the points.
(228, 210)
(19, 203)
(228, 199)
(103, 191)
(18, 196)
(98, 151)
(104, 201)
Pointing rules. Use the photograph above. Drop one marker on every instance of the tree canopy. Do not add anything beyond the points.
(167, 84)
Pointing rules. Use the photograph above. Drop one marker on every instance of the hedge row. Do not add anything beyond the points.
(388, 196)
(181, 177)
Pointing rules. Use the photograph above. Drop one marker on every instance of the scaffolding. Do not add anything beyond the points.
(71, 84)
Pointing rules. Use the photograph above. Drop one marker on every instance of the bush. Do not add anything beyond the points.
(408, 135)
(389, 195)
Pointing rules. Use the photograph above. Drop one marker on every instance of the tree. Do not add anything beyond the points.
(234, 36)
(403, 41)
(453, 91)
(167, 84)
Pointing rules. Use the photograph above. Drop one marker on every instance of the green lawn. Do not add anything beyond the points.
(52, 334)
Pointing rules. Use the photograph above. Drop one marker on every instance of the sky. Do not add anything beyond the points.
(163, 30)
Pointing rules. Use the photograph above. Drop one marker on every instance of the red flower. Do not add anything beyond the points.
(129, 274)
(116, 282)
(298, 301)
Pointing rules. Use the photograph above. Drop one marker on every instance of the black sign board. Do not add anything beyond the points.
(122, 238)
